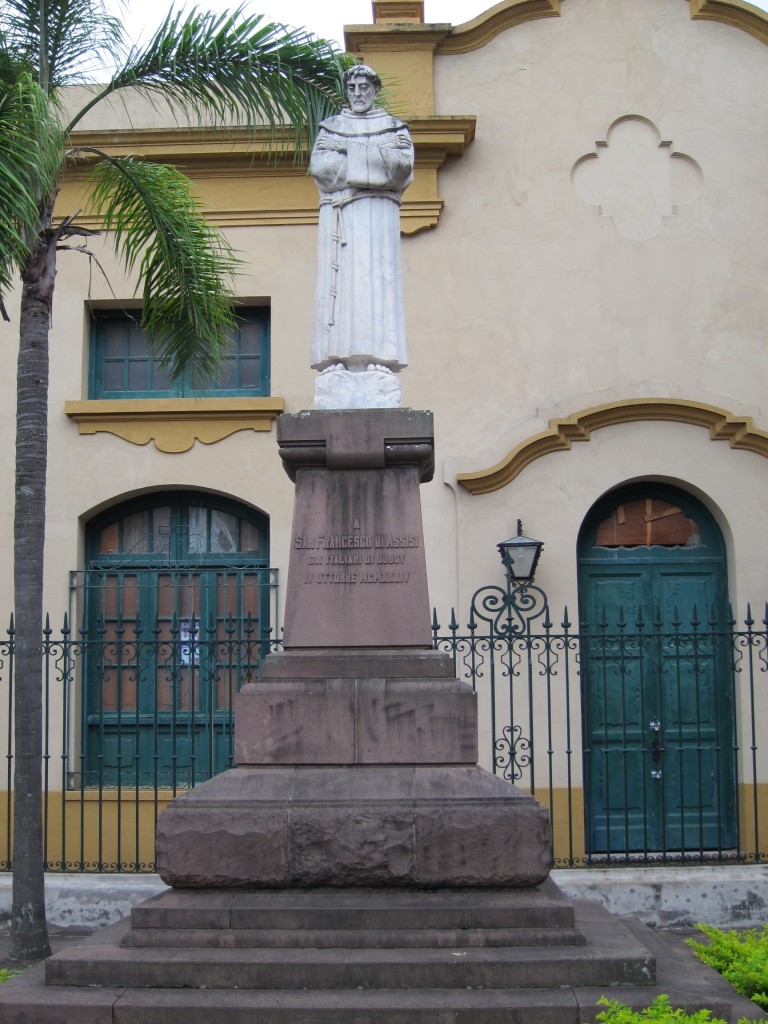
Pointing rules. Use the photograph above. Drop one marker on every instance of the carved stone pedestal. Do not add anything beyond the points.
(357, 751)
(395, 826)
(357, 575)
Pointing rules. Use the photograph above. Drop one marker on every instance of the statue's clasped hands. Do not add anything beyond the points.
(334, 145)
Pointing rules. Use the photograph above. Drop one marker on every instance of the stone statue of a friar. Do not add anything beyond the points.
(362, 161)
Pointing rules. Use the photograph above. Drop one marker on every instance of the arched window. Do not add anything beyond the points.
(176, 606)
(647, 522)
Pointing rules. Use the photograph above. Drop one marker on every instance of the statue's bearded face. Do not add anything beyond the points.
(362, 93)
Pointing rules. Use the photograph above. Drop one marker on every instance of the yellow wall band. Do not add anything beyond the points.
(174, 424)
(739, 431)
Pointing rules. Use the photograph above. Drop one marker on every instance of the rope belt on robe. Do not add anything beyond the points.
(338, 200)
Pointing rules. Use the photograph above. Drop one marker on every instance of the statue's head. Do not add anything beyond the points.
(363, 86)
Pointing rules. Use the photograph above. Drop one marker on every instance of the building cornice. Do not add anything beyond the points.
(739, 431)
(471, 35)
(174, 424)
(431, 134)
(732, 12)
(268, 186)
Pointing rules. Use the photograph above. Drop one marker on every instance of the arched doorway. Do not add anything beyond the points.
(657, 680)
(176, 598)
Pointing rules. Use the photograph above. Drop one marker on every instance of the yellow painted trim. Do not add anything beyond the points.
(442, 37)
(272, 155)
(471, 35)
(436, 137)
(733, 12)
(399, 37)
(739, 431)
(174, 424)
(237, 148)
(77, 814)
(398, 10)
(262, 191)
(123, 795)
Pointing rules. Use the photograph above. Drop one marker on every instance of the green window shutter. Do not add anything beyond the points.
(122, 366)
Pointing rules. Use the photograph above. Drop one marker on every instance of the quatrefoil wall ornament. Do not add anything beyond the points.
(636, 178)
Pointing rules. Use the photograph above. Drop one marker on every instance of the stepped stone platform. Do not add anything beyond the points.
(515, 956)
(355, 767)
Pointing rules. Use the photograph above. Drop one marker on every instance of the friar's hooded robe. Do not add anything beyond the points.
(359, 314)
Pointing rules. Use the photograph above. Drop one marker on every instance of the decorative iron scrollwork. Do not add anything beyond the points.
(514, 752)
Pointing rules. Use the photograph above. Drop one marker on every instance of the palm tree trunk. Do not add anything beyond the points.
(29, 932)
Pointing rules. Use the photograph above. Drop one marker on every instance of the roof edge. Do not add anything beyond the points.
(471, 35)
(737, 13)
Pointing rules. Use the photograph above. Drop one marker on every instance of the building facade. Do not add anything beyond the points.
(584, 259)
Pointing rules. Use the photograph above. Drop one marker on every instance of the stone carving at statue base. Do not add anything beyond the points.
(373, 388)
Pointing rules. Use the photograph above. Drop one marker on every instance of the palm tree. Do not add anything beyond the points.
(212, 69)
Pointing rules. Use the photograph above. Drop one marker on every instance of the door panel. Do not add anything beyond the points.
(657, 698)
(171, 638)
(618, 708)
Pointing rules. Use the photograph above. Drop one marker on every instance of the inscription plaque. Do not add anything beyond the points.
(357, 556)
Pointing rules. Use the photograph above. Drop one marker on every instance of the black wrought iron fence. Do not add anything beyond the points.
(641, 738)
(133, 714)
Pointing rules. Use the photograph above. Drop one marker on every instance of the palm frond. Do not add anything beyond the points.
(31, 155)
(65, 40)
(235, 68)
(186, 268)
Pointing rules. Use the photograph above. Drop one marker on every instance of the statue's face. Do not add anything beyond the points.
(362, 94)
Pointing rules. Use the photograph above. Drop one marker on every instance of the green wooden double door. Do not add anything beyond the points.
(658, 714)
(176, 598)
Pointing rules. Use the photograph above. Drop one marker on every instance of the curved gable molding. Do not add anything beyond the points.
(486, 26)
(739, 431)
(732, 12)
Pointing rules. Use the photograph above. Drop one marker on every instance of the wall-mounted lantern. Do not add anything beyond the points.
(520, 556)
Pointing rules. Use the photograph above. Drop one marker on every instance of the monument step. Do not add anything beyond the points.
(26, 999)
(360, 938)
(540, 908)
(612, 956)
(358, 663)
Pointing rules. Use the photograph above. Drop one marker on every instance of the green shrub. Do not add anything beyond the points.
(741, 958)
(659, 1012)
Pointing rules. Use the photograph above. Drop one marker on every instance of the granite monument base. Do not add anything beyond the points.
(392, 826)
(357, 749)
(352, 706)
(365, 776)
